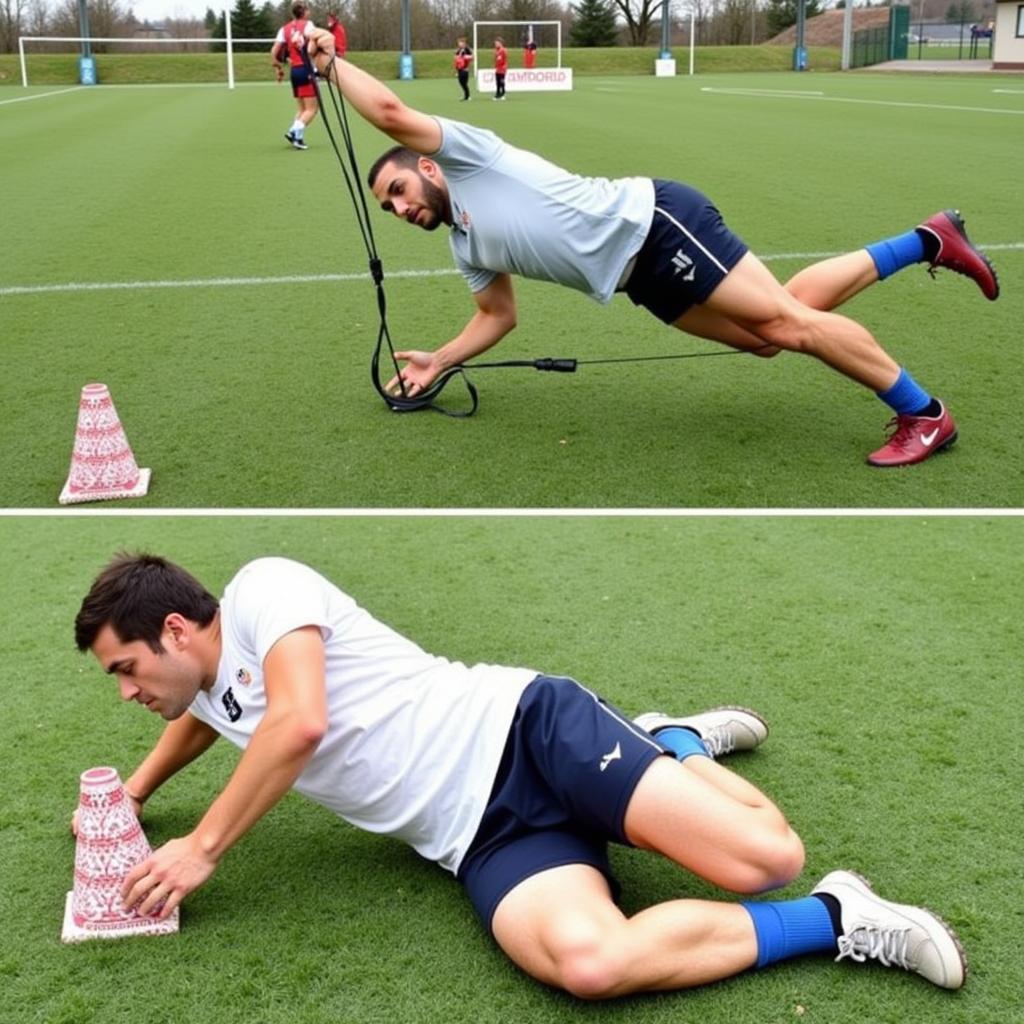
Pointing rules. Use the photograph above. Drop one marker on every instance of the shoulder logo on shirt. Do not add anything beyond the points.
(681, 262)
(242, 676)
(464, 221)
(231, 706)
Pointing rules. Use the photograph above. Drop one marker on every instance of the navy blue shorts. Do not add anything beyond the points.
(568, 771)
(686, 255)
(303, 85)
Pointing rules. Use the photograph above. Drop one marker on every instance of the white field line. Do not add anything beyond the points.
(236, 282)
(1010, 92)
(42, 95)
(209, 282)
(767, 94)
(182, 85)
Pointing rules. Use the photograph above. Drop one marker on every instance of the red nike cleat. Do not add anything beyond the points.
(956, 252)
(915, 439)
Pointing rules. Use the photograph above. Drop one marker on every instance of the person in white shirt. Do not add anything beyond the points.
(512, 780)
(663, 243)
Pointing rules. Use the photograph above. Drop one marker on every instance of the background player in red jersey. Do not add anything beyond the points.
(500, 67)
(290, 44)
(337, 30)
(463, 59)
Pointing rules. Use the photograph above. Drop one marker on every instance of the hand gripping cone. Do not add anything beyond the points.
(102, 463)
(110, 843)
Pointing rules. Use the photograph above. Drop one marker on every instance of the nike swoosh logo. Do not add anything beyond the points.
(927, 439)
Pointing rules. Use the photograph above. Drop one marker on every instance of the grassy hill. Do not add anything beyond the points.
(155, 68)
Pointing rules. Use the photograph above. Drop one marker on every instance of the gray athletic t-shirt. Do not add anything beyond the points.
(514, 212)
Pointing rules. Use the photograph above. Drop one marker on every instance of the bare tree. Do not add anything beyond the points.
(12, 15)
(734, 23)
(640, 16)
(374, 24)
(107, 19)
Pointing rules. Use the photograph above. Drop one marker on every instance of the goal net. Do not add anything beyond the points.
(158, 60)
(534, 55)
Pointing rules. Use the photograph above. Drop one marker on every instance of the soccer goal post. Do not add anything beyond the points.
(149, 60)
(534, 55)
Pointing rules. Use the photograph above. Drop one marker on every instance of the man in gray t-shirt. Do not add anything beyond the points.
(663, 243)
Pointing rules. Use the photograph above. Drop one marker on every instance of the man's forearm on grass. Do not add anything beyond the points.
(483, 331)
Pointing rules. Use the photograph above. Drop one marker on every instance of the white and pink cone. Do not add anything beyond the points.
(102, 463)
(110, 843)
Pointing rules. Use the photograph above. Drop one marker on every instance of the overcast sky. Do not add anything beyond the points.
(158, 10)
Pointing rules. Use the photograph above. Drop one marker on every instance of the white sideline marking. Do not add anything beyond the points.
(208, 282)
(1011, 92)
(181, 85)
(42, 95)
(848, 99)
(234, 282)
(766, 92)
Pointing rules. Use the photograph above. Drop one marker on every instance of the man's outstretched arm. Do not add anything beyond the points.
(284, 741)
(374, 100)
(495, 316)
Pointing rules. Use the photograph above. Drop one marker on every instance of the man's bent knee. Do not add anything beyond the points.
(589, 969)
(795, 334)
(776, 862)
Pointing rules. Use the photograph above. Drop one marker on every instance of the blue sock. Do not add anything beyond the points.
(906, 397)
(682, 742)
(892, 254)
(788, 928)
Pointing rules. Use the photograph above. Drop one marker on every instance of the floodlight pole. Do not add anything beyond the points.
(83, 28)
(406, 68)
(847, 34)
(800, 51)
(666, 30)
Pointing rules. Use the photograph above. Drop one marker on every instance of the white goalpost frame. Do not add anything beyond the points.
(228, 40)
(557, 78)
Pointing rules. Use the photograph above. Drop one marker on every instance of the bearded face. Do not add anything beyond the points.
(413, 196)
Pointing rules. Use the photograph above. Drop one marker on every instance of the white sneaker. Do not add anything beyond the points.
(723, 729)
(894, 934)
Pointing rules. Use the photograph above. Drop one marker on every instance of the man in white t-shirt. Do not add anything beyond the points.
(663, 243)
(514, 781)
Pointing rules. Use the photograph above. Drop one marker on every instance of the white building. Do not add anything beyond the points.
(1008, 39)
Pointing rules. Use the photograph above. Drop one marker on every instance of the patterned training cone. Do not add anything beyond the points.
(102, 463)
(110, 843)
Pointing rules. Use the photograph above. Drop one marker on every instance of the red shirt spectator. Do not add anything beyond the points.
(338, 31)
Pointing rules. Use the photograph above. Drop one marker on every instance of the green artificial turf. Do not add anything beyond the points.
(258, 394)
(882, 651)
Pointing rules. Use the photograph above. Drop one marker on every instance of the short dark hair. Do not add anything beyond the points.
(402, 155)
(134, 593)
(298, 10)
